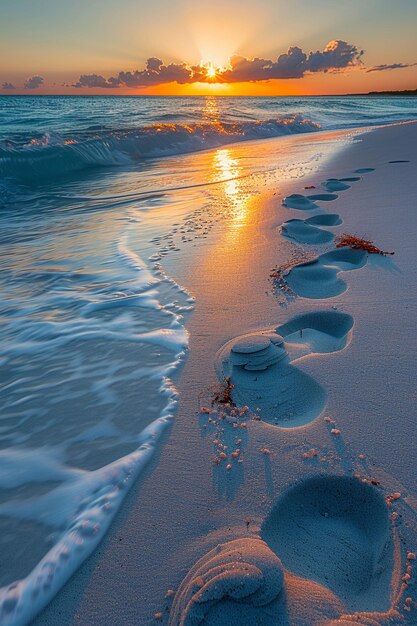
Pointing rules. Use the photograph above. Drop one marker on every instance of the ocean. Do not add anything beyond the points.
(96, 193)
(47, 136)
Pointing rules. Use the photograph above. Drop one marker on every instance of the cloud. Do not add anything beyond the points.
(8, 86)
(336, 56)
(95, 80)
(156, 73)
(393, 66)
(292, 64)
(295, 63)
(34, 82)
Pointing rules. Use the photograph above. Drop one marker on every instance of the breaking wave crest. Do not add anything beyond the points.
(53, 155)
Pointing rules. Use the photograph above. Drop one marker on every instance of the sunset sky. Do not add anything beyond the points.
(238, 47)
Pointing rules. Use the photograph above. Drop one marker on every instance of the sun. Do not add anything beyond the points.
(211, 74)
(211, 71)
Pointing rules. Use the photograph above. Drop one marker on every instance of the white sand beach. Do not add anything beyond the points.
(314, 484)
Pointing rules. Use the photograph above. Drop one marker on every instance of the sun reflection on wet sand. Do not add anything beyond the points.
(245, 185)
(226, 167)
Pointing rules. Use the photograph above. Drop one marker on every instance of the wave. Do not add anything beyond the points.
(51, 155)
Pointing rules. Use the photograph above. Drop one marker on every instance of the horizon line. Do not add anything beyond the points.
(137, 95)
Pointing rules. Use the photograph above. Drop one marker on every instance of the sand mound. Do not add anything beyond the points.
(266, 380)
(257, 352)
(244, 571)
(262, 366)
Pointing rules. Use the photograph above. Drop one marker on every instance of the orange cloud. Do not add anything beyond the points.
(295, 63)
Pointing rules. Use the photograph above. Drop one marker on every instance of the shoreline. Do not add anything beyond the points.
(216, 515)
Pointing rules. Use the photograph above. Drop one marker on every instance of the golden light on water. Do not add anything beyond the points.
(211, 111)
(226, 167)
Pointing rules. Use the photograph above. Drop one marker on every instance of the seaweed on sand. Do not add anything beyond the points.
(359, 243)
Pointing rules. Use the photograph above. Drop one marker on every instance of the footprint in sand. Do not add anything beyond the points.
(317, 332)
(364, 170)
(326, 219)
(335, 184)
(340, 184)
(308, 231)
(335, 531)
(307, 203)
(319, 278)
(263, 367)
(325, 550)
(323, 197)
(303, 232)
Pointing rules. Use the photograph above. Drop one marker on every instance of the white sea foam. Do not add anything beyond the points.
(84, 505)
(87, 361)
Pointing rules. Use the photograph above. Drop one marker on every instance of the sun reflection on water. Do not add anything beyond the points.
(211, 112)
